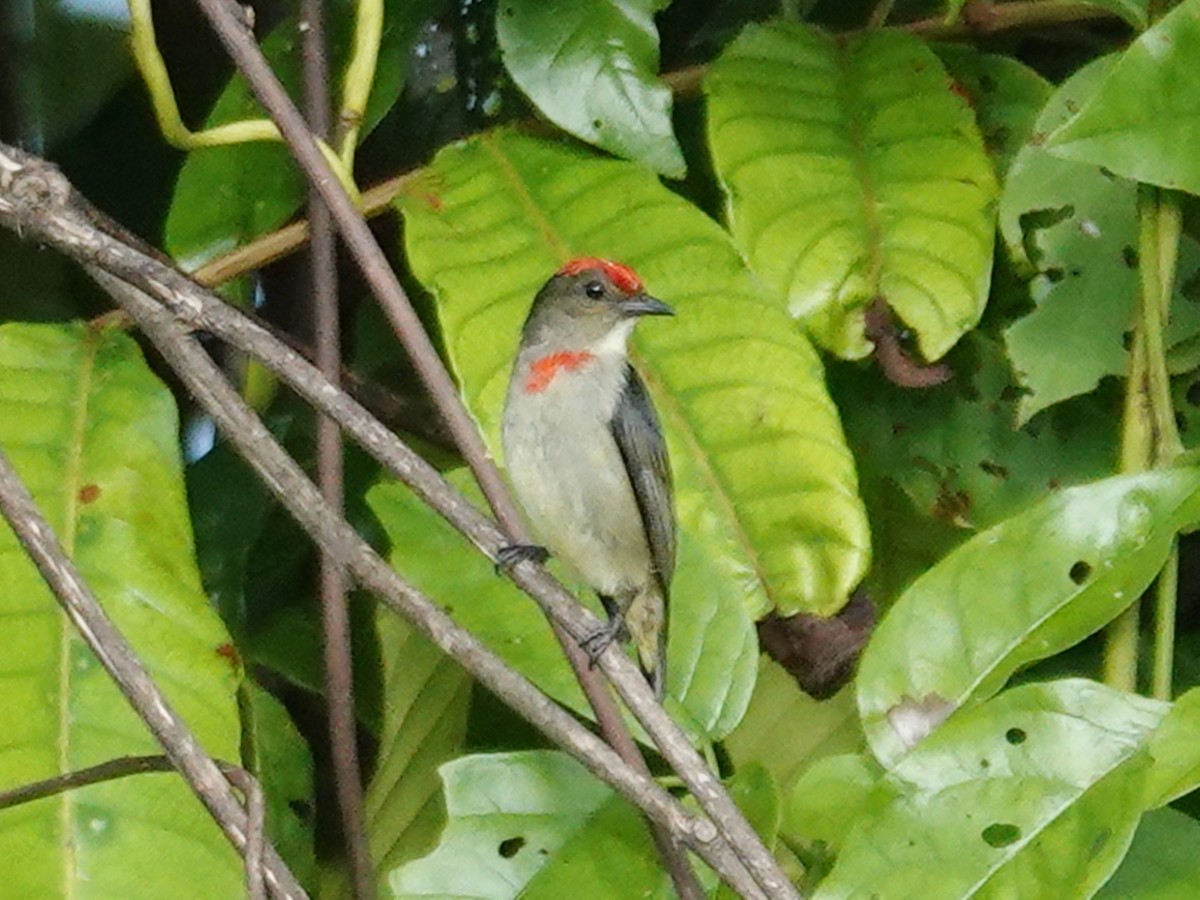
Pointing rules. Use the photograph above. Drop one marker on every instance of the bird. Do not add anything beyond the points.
(586, 456)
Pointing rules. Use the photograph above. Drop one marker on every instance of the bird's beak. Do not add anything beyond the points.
(643, 305)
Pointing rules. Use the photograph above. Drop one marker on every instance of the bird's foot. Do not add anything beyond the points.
(597, 642)
(507, 557)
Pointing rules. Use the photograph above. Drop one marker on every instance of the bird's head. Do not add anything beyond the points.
(591, 304)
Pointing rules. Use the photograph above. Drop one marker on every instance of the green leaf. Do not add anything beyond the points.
(711, 654)
(1005, 94)
(281, 761)
(1143, 121)
(426, 697)
(225, 196)
(766, 491)
(955, 451)
(1034, 794)
(591, 68)
(1176, 753)
(1075, 227)
(1024, 590)
(831, 797)
(1162, 863)
(509, 815)
(93, 433)
(853, 171)
(771, 735)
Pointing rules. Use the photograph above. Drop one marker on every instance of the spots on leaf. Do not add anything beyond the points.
(912, 719)
(510, 847)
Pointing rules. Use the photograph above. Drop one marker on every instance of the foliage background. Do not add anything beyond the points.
(982, 178)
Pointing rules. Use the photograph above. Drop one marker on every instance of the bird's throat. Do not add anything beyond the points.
(544, 369)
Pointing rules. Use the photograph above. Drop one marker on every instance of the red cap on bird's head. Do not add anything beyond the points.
(618, 273)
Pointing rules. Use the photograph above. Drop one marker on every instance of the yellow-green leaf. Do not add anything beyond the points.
(853, 171)
(765, 483)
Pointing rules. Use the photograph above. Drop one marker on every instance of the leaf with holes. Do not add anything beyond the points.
(531, 824)
(1143, 120)
(712, 651)
(955, 453)
(591, 68)
(1006, 95)
(1034, 794)
(94, 435)
(1022, 591)
(853, 171)
(1074, 227)
(766, 489)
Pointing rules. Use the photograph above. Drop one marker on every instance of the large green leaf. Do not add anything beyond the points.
(1034, 794)
(591, 67)
(426, 697)
(853, 171)
(1024, 590)
(766, 489)
(1143, 121)
(94, 435)
(225, 196)
(712, 651)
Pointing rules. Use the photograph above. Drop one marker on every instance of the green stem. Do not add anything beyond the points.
(1165, 595)
(1150, 436)
(359, 77)
(166, 110)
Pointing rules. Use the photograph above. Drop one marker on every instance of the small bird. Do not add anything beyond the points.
(586, 453)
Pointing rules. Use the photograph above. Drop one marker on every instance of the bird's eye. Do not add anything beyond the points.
(594, 290)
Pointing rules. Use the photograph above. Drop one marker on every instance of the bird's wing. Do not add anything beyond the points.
(640, 440)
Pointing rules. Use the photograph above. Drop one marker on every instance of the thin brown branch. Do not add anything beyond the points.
(335, 613)
(240, 44)
(40, 204)
(198, 769)
(124, 766)
(110, 770)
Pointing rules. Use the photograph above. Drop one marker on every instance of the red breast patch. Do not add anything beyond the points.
(618, 273)
(543, 370)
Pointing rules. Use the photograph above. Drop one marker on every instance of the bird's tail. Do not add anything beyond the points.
(646, 620)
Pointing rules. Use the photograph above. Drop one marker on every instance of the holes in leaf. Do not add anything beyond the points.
(510, 847)
(1127, 340)
(1015, 736)
(597, 124)
(1193, 393)
(1001, 834)
(1080, 571)
(994, 469)
(1129, 256)
(1054, 275)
